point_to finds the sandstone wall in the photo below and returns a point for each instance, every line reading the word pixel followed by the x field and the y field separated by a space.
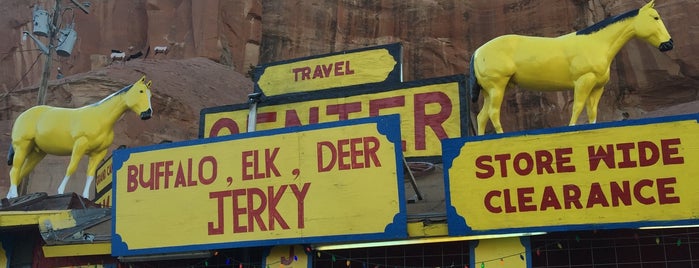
pixel 438 36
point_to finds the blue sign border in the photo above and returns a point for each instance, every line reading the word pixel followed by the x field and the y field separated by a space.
pixel 388 125
pixel 458 225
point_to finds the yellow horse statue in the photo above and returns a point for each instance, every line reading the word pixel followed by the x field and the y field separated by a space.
pixel 578 60
pixel 87 130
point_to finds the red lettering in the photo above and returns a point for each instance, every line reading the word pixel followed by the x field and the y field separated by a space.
pixel 132 178
pixel 596 196
pixel 292 117
pixel 434 121
pixel 371 146
pixel 255 213
pixel 601 154
pixel 524 198
pixel 238 210
pixel 620 193
pixel 180 179
pixel 637 191
pixel 348 69
pixel 348 154
pixel 274 199
pixel 669 151
pixel 488 202
pixel 338 68
pixel 249 205
pixel 266 117
pixel 327 69
pixel 321 152
pixel 626 155
pixel 356 152
pixel 487 170
pixel 318 73
pixel 502 158
pixel 270 167
pixel 549 199
pixel 563 158
pixel 343 110
pixel 342 153
pixel 528 161
pixel 509 208
pixel 214 170
pixel 222 123
pixel 375 106
pixel 300 197
pixel 571 196
pixel 190 178
pixel 219 196
pixel 664 190
pixel 304 71
pixel 648 153
pixel 247 164
pixel 544 159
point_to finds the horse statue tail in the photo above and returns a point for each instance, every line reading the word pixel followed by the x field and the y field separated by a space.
pixel 10 155
pixel 473 81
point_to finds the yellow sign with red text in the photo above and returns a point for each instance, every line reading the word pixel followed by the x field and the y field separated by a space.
pixel 430 111
pixel 103 184
pixel 290 186
pixel 631 173
pixel 347 68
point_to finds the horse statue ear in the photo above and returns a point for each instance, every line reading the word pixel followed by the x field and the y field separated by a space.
pixel 148 84
pixel 143 79
pixel 650 4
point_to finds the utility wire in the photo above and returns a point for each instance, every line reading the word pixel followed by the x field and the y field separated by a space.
pixel 22 78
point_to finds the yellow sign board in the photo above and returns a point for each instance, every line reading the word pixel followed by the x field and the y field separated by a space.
pixel 431 110
pixel 340 181
pixel 288 256
pixel 103 183
pixel 342 69
pixel 611 175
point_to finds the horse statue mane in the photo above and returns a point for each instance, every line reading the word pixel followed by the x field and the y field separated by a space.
pixel 88 130
pixel 578 60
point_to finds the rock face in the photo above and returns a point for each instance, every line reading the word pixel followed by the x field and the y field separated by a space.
pixel 438 37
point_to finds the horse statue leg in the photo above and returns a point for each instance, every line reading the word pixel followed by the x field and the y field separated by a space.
pixel 23 161
pixel 79 149
pixel 494 92
pixel 92 164
pixel 592 102
pixel 16 158
pixel 583 87
pixel 483 114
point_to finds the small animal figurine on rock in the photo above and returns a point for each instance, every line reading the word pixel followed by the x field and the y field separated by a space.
pixel 578 61
pixel 88 130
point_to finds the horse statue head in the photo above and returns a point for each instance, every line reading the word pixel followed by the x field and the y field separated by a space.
pixel 579 61
pixel 649 27
pixel 87 130
pixel 138 98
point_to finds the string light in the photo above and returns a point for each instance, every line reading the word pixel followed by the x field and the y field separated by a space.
pixel 501 259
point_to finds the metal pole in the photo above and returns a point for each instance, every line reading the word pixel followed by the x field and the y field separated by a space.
pixel 253 99
pixel 41 99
